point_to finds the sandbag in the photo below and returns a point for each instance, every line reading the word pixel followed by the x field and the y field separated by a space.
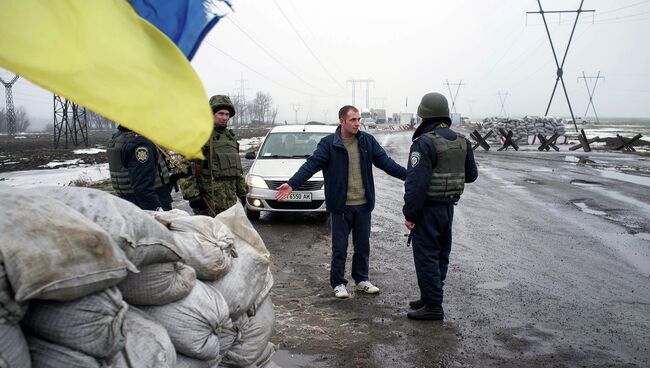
pixel 158 284
pixel 183 361
pixel 91 325
pixel 261 297
pixel 10 310
pixel 264 361
pixel 247 276
pixel 199 324
pixel 206 244
pixel 45 354
pixel 51 251
pixel 147 343
pixel 143 239
pixel 254 335
pixel 14 352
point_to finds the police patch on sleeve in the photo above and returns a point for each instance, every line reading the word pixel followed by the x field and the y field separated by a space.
pixel 415 158
pixel 142 154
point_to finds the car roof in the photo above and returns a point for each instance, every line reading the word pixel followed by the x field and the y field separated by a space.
pixel 303 128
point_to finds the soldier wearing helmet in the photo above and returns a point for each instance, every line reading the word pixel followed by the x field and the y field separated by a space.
pixel 217 183
pixel 440 163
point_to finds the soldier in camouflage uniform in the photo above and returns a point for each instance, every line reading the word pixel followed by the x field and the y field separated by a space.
pixel 217 183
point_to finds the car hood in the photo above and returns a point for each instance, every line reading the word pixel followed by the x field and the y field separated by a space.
pixel 279 168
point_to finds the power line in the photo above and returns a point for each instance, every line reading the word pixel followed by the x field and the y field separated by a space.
pixel 307 46
pixel 623 17
pixel 621 8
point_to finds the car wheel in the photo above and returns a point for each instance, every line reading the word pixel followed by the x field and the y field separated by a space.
pixel 253 215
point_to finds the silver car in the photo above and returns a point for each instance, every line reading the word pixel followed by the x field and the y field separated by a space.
pixel 284 149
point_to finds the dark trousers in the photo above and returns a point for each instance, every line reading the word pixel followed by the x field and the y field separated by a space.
pixel 431 241
pixel 357 220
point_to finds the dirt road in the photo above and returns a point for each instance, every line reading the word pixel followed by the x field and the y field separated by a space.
pixel 550 268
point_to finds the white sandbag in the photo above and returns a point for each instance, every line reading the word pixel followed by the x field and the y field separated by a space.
pixel 10 310
pixel 45 354
pixel 51 251
pixel 206 244
pixel 166 217
pixel 91 325
pixel 14 352
pixel 199 324
pixel 147 343
pixel 261 297
pixel 143 239
pixel 158 284
pixel 254 335
pixel 183 361
pixel 248 272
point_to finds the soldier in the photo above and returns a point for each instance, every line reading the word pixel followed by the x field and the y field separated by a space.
pixel 217 183
pixel 440 163
pixel 139 173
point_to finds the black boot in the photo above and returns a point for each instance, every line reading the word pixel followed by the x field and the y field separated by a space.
pixel 416 304
pixel 432 312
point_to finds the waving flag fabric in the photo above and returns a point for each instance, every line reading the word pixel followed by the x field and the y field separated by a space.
pixel 103 55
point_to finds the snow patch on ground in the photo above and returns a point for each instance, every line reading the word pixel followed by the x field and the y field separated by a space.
pixel 61 177
pixel 584 208
pixel 247 143
pixel 62 163
pixel 89 151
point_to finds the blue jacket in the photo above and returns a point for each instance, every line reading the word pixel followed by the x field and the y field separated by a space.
pixel 418 178
pixel 332 157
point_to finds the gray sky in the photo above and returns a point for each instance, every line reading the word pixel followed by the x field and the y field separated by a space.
pixel 412 47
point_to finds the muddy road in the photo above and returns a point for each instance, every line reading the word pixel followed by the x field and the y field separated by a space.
pixel 550 268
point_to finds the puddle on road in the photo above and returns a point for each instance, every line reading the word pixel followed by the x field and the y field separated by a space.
pixel 285 359
pixel 584 208
pixel 586 183
pixel 283 275
pixel 629 178
pixel 493 285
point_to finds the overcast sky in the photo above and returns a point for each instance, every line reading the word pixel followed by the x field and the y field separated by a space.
pixel 412 47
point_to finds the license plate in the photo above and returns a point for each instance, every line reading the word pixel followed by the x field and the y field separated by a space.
pixel 299 197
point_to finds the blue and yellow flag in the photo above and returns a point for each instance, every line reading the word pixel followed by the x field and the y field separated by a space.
pixel 103 55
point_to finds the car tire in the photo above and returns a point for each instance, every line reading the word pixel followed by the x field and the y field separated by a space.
pixel 253 215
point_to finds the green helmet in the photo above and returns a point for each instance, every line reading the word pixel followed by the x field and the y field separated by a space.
pixel 219 102
pixel 433 105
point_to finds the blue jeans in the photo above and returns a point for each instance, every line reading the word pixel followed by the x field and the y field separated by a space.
pixel 357 220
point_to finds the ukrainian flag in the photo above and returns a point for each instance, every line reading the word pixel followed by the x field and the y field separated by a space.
pixel 105 56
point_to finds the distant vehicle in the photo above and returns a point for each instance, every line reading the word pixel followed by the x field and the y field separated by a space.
pixel 365 113
pixel 284 150
pixel 369 123
pixel 380 116
pixel 406 118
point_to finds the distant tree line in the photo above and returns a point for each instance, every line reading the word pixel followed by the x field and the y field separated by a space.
pixel 259 110
pixel 22 120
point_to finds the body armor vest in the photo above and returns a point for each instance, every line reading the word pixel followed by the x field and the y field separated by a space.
pixel 223 158
pixel 120 174
pixel 448 179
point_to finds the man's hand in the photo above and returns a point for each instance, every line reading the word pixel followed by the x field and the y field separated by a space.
pixel 283 192
pixel 409 225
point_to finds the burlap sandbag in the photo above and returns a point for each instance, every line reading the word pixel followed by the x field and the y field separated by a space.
pixel 247 276
pixel 51 251
pixel 91 325
pixel 158 284
pixel 183 361
pixel 10 310
pixel 46 354
pixel 14 352
pixel 206 244
pixel 254 335
pixel 143 239
pixel 199 324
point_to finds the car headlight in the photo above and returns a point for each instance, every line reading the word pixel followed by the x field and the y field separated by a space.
pixel 256 182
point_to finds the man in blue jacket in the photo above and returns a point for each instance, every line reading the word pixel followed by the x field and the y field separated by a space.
pixel 346 158
pixel 440 163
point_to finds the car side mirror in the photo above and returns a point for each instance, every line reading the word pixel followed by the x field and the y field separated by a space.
pixel 250 155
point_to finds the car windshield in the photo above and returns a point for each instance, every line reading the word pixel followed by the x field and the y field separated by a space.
pixel 290 145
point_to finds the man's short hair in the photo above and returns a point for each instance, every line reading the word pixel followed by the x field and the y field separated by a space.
pixel 345 109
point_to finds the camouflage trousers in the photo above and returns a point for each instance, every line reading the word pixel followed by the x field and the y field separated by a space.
pixel 222 194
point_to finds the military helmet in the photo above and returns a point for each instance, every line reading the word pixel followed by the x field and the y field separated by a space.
pixel 219 102
pixel 433 105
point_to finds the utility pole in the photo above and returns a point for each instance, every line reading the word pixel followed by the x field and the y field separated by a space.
pixel 502 97
pixel 591 91
pixel 296 108
pixel 11 114
pixel 242 99
pixel 353 85
pixel 367 82
pixel 453 96
pixel 560 72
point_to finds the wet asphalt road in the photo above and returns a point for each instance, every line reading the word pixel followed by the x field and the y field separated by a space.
pixel 550 267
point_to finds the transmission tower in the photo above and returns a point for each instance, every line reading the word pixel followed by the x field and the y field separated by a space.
pixel 591 92
pixel 296 108
pixel 502 97
pixel 241 115
pixel 454 96
pixel 70 120
pixel 559 73
pixel 11 114
pixel 367 82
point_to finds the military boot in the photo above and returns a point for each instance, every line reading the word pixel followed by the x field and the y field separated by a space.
pixel 416 304
pixel 432 312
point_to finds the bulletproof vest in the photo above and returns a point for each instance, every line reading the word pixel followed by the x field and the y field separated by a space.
pixel 120 173
pixel 448 179
pixel 224 161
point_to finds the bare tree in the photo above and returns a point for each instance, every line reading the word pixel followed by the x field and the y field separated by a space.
pixel 261 108
pixel 22 120
pixel 241 110
pixel 96 121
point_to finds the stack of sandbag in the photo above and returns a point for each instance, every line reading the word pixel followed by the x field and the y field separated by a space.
pixel 522 128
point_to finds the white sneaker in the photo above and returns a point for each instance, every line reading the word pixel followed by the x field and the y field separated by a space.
pixel 367 287
pixel 341 292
